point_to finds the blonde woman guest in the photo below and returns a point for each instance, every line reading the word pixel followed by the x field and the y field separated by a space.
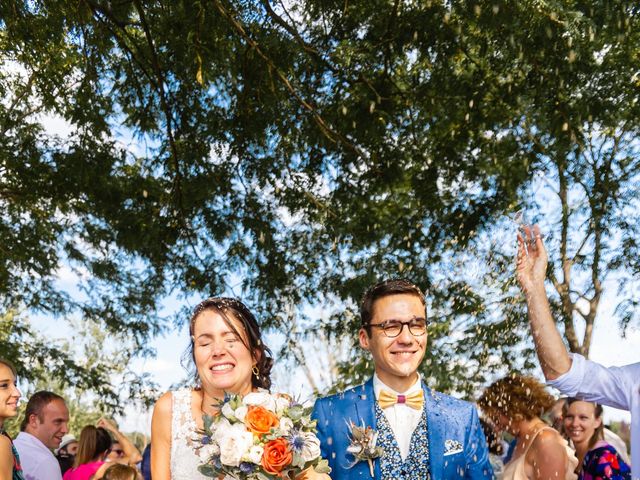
pixel 514 404
pixel 9 395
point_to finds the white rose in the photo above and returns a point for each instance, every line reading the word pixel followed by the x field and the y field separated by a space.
pixel 311 448
pixel 281 404
pixel 286 424
pixel 207 451
pixel 262 399
pixel 220 429
pixel 255 398
pixel 227 411
pixel 240 413
pixel 234 444
pixel 254 455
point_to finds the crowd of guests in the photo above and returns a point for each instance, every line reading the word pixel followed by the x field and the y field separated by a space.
pixel 45 450
pixel 571 440
pixel 420 433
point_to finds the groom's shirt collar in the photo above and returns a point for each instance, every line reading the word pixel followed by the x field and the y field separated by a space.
pixel 379 385
pixel 402 419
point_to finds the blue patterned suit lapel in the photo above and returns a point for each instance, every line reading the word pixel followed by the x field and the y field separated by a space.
pixel 435 424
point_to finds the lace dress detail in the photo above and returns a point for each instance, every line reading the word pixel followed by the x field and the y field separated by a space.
pixel 184 460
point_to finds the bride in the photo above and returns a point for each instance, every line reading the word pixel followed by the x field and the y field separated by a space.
pixel 229 356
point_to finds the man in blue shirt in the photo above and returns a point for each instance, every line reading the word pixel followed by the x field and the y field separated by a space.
pixel 573 375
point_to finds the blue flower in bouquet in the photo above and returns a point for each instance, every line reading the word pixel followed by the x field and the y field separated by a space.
pixel 247 467
pixel 296 439
pixel 304 445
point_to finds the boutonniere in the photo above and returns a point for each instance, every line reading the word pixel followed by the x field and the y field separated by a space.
pixel 363 445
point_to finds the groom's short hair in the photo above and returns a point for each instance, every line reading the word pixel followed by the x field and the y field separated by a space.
pixel 393 286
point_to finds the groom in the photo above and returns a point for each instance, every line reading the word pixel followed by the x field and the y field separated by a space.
pixel 419 433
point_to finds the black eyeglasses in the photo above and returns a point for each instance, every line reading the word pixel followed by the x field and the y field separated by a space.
pixel 393 328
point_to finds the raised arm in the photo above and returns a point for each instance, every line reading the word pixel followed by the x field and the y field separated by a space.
pixel 131 452
pixel 531 270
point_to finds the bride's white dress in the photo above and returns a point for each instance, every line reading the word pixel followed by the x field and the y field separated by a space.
pixel 184 437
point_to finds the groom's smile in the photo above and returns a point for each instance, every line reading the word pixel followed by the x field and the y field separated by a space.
pixel 405 353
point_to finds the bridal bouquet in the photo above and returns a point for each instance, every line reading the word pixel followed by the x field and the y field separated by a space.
pixel 259 437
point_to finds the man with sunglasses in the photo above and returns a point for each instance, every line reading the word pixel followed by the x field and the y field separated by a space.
pixel 393 426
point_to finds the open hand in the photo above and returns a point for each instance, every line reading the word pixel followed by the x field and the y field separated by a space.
pixel 531 263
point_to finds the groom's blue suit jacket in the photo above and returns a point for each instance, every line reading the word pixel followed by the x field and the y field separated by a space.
pixel 457 446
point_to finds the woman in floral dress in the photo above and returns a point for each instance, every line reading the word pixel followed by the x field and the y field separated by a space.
pixel 598 459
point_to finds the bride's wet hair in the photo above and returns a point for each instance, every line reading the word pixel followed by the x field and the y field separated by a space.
pixel 226 307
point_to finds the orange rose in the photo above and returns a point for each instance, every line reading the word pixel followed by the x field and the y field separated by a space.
pixel 260 420
pixel 276 456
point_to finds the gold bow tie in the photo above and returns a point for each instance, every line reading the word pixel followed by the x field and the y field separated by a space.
pixel 413 400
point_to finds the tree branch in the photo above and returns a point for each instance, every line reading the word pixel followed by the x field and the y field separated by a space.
pixel 563 288
pixel 331 134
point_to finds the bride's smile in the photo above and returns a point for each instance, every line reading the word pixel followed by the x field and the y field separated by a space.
pixel 221 355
